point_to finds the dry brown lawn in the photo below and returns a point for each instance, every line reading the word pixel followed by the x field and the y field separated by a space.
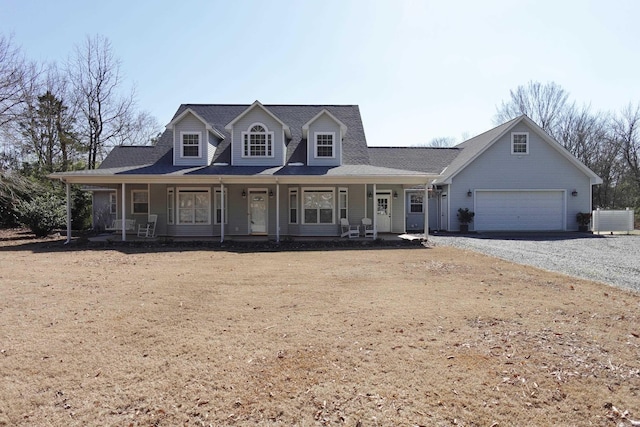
pixel 128 336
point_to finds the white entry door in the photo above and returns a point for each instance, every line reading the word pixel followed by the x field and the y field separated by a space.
pixel 383 213
pixel 258 212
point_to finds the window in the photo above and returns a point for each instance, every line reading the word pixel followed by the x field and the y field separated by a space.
pixel 190 144
pixel 324 144
pixel 318 204
pixel 343 198
pixel 520 143
pixel 113 204
pixel 218 207
pixel 415 203
pixel 194 206
pixel 140 201
pixel 293 206
pixel 257 142
pixel 171 203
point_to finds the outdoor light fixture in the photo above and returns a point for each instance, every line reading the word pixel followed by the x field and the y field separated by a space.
pixel 395 194
pixel 574 193
pixel 244 194
pixel 469 193
pixel 370 195
pixel 271 193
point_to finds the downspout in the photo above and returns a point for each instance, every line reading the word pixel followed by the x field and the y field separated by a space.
pixel 68 188
pixel 222 218
pixel 124 213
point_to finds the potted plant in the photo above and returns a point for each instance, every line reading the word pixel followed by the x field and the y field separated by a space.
pixel 465 216
pixel 583 219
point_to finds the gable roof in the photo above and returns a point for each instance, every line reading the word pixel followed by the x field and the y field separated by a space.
pixel 305 127
pixel 177 118
pixel 219 116
pixel 257 104
pixel 474 147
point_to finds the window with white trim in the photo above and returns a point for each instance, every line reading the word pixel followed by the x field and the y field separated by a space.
pixel 218 207
pixel 113 203
pixel 318 205
pixel 257 141
pixel 140 201
pixel 415 203
pixel 343 203
pixel 190 144
pixel 293 206
pixel 171 203
pixel 324 144
pixel 194 206
pixel 520 143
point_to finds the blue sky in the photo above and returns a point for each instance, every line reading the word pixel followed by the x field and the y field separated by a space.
pixel 417 69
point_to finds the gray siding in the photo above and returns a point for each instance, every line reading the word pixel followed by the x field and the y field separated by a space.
pixel 324 123
pixel 257 115
pixel 238 211
pixel 543 168
pixel 191 123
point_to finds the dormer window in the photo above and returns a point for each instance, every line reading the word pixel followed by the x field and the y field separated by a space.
pixel 257 141
pixel 520 143
pixel 190 144
pixel 324 144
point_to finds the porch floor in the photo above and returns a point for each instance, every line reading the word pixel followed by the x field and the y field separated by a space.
pixel 117 237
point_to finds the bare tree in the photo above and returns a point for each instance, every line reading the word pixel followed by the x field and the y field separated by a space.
pixel 439 142
pixel 545 104
pixel 139 129
pixel 95 75
pixel 626 128
pixel 16 74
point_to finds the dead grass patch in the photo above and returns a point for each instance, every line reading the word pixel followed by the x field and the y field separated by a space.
pixel 432 336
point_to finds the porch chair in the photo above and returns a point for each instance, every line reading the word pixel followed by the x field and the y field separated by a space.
pixel 347 230
pixel 367 228
pixel 148 229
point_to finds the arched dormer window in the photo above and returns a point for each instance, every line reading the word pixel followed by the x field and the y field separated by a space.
pixel 257 141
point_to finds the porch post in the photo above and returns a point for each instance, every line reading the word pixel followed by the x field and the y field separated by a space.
pixel 124 213
pixel 374 208
pixel 425 203
pixel 277 211
pixel 366 201
pixel 222 218
pixel 68 187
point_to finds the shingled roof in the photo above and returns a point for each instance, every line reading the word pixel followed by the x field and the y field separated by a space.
pixel 420 159
pixel 157 159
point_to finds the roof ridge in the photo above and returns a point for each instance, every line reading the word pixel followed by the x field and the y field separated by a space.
pixel 414 147
pixel 272 105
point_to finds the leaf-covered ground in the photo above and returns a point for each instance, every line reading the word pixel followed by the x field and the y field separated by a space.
pixel 162 336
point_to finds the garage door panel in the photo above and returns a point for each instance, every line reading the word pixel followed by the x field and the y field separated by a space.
pixel 519 210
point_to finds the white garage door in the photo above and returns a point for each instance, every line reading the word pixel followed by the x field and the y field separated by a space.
pixel 519 210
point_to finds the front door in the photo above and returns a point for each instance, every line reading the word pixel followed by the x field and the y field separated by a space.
pixel 383 213
pixel 258 212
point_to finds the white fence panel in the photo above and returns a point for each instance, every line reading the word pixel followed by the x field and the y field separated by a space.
pixel 620 220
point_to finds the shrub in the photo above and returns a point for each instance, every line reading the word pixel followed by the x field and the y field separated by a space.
pixel 465 216
pixel 43 214
pixel 583 218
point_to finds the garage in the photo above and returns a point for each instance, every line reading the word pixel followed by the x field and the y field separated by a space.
pixel 519 210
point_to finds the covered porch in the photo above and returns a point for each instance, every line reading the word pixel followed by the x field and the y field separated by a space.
pixel 252 208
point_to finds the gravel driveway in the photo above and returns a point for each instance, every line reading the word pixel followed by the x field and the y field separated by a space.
pixel 614 260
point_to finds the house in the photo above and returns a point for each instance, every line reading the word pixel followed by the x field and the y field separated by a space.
pixel 253 170
pixel 297 170
pixel 515 177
